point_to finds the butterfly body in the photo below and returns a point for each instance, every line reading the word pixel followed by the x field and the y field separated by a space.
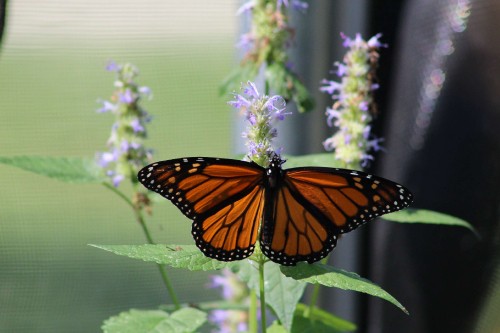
pixel 297 213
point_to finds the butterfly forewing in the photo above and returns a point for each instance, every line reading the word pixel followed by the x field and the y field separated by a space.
pixel 199 186
pixel 347 198
pixel 224 197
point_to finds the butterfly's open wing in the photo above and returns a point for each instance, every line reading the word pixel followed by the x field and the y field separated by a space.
pixel 313 205
pixel 223 197
pixel 293 230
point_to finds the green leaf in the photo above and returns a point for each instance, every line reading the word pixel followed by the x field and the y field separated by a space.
pixel 322 160
pixel 276 328
pixel 319 321
pixel 411 215
pixel 282 293
pixel 185 256
pixel 185 320
pixel 66 169
pixel 238 76
pixel 282 81
pixel 333 277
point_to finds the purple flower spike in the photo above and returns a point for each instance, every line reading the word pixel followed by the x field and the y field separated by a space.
pixel 126 152
pixel 353 97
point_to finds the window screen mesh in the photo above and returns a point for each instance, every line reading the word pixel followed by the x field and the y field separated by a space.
pixel 51 75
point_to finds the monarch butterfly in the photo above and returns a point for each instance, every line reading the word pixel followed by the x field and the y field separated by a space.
pixel 303 210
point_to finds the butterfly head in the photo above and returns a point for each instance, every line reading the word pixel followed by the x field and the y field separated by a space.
pixel 274 170
pixel 276 161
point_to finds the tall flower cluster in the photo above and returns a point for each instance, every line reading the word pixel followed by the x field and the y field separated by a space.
pixel 261 111
pixel 233 291
pixel 126 153
pixel 353 108
pixel 270 30
pixel 265 46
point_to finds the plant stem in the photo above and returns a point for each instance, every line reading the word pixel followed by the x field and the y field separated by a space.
pixel 312 302
pixel 142 223
pixel 262 295
pixel 315 294
pixel 252 313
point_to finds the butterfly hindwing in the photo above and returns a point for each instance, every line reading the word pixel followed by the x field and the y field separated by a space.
pixel 223 197
pixel 293 229
pixel 231 232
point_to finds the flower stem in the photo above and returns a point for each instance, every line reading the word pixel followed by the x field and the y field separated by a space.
pixel 142 223
pixel 315 294
pixel 252 313
pixel 312 302
pixel 262 295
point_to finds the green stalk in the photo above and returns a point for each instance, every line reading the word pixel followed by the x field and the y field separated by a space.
pixel 315 294
pixel 262 295
pixel 142 223
pixel 252 313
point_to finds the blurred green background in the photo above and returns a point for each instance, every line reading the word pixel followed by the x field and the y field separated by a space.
pixel 51 76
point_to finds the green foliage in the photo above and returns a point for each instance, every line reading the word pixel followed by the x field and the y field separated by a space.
pixel 282 293
pixel 185 256
pixel 411 215
pixel 285 83
pixel 276 328
pixel 333 277
pixel 319 321
pixel 66 169
pixel 185 320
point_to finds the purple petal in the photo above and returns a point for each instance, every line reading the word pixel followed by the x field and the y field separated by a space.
pixel 329 144
pixel 347 41
pixel 251 90
pixel 245 42
pixel 374 42
pixel 127 97
pixel 107 106
pixel 332 114
pixel 104 159
pixel 117 180
pixel 112 66
pixel 136 126
pixel 246 7
pixel 240 102
pixel 251 118
pixel 146 91
pixel 366 132
pixel 341 69
pixel 300 6
pixel 363 106
pixel 330 86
